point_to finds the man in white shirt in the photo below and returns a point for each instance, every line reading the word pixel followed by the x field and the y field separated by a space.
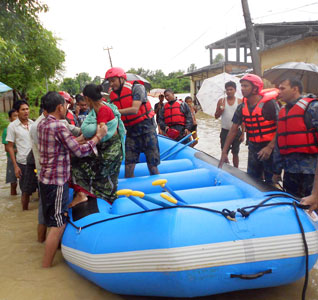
pixel 225 109
pixel 18 134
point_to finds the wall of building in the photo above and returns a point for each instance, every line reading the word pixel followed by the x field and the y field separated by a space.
pixel 305 50
pixel 6 101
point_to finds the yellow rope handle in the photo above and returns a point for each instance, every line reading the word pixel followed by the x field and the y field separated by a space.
pixel 168 198
pixel 160 182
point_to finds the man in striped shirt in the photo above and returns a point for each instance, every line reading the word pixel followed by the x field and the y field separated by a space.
pixel 56 143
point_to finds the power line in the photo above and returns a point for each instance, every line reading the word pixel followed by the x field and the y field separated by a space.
pixel 286 11
pixel 194 41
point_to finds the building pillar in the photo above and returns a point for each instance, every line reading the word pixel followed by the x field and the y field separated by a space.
pixel 211 56
pixel 238 50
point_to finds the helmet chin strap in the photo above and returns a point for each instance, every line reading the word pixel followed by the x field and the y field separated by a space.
pixel 121 83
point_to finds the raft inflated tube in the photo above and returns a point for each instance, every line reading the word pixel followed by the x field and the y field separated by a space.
pixel 169 166
pixel 177 181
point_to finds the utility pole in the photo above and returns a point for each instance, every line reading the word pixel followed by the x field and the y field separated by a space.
pixel 252 39
pixel 110 59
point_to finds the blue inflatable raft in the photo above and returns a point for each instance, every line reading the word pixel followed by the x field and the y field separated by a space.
pixel 225 231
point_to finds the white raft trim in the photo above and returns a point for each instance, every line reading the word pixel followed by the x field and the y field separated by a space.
pixel 194 257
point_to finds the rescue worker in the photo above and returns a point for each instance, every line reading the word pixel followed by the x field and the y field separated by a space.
pixel 70 116
pixel 296 149
pixel 175 118
pixel 258 113
pixel 131 99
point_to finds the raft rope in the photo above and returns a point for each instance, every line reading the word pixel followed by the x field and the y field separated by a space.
pixel 295 204
pixel 230 215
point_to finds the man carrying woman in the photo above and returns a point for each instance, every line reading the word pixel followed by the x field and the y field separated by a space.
pixel 97 175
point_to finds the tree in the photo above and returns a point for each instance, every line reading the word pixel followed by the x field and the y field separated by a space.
pixel 158 79
pixel 191 68
pixel 82 80
pixel 97 80
pixel 28 52
pixel 70 85
pixel 218 58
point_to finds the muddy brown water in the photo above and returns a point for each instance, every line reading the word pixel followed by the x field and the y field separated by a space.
pixel 21 275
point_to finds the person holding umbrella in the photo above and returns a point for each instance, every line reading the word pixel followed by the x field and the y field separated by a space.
pixel 131 99
pixel 225 109
pixel 258 113
pixel 296 149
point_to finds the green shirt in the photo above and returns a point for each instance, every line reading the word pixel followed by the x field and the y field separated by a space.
pixel 4 139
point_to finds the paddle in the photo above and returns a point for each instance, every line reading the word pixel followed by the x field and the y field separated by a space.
pixel 188 144
pixel 163 184
pixel 176 144
pixel 129 194
pixel 151 199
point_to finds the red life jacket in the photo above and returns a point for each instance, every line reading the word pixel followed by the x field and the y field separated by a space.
pixel 70 117
pixel 258 129
pixel 125 100
pixel 173 114
pixel 293 135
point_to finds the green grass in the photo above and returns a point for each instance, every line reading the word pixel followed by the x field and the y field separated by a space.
pixel 4 121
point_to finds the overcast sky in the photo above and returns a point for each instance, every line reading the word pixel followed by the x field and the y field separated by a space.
pixel 167 34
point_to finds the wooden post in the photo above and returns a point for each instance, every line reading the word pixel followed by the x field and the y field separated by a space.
pixel 238 50
pixel 110 59
pixel 261 39
pixel 226 53
pixel 245 54
pixel 252 39
pixel 211 56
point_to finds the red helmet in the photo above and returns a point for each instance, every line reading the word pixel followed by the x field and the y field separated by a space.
pixel 66 96
pixel 116 72
pixel 254 79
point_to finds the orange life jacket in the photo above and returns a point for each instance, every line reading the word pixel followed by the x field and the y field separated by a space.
pixel 258 129
pixel 293 135
pixel 125 100
pixel 173 114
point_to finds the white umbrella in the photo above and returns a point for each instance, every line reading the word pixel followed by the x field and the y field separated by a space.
pixel 305 72
pixel 213 89
pixel 156 92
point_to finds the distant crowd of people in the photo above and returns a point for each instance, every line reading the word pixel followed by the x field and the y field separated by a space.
pixel 81 143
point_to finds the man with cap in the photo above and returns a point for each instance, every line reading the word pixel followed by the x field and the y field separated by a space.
pixel 131 99
pixel 258 113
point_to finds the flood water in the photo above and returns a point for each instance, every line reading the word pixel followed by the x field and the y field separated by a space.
pixel 21 275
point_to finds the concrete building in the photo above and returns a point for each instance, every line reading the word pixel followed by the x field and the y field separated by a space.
pixel 277 43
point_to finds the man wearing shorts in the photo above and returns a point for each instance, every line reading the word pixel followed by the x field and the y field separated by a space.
pixel 131 99
pixel 225 109
pixel 56 143
pixel 18 134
